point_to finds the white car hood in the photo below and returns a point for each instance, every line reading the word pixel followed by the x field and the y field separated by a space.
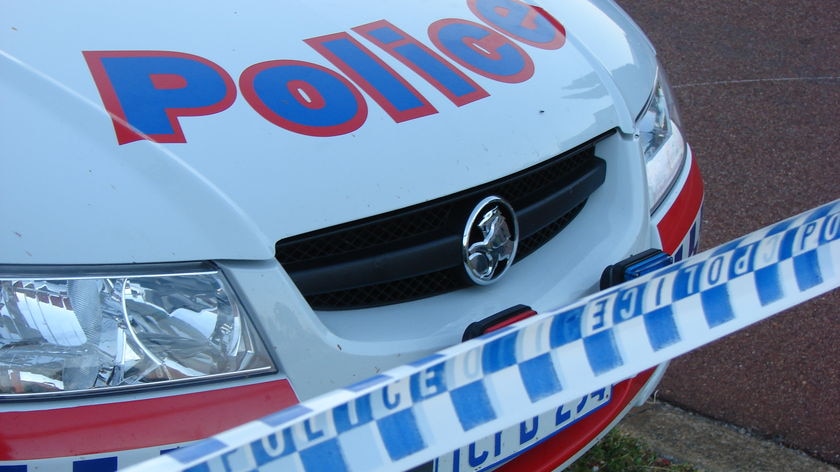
pixel 72 193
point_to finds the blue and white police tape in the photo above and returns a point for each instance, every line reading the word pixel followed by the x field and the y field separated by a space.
pixel 417 412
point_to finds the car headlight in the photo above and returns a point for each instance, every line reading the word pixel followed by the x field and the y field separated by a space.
pixel 662 143
pixel 63 333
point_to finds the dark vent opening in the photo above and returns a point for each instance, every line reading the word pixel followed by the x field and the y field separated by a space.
pixel 416 252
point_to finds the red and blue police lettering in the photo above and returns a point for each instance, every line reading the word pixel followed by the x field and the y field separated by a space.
pixel 482 50
pixel 451 82
pixel 526 23
pixel 148 92
pixel 303 98
pixel 392 92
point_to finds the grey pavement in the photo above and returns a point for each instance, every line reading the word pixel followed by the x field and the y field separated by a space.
pixel 711 446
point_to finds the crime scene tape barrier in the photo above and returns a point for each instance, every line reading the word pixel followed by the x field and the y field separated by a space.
pixel 417 412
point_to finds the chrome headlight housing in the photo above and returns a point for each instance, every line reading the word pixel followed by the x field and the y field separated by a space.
pixel 69 332
pixel 662 143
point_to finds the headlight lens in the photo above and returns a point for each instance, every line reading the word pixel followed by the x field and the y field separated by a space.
pixel 662 143
pixel 61 334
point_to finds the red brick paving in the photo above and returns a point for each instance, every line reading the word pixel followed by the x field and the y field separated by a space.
pixel 759 89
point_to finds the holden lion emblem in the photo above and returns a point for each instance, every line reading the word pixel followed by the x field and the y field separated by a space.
pixel 490 240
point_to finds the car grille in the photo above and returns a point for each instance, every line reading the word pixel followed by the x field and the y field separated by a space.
pixel 416 252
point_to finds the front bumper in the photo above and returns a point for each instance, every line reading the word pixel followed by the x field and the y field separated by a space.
pixel 678 222
pixel 120 430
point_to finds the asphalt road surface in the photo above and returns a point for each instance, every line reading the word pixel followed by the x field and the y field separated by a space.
pixel 758 83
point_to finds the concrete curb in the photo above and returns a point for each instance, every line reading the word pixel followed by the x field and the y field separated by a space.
pixel 710 446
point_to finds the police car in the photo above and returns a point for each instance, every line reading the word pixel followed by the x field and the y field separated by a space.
pixel 212 213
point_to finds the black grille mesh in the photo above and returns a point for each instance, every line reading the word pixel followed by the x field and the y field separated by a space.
pixel 372 239
pixel 361 236
pixel 412 288
pixel 427 285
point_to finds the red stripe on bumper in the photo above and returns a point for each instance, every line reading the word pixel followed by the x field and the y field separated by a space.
pixel 678 220
pixel 109 427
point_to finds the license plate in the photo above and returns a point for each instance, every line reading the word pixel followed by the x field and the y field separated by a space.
pixel 506 444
